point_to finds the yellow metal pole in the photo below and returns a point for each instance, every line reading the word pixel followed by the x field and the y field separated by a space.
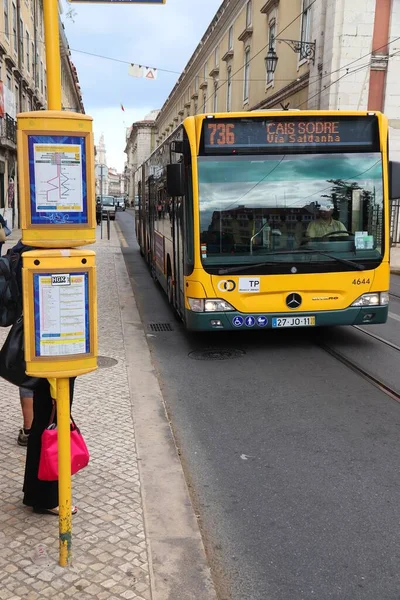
pixel 53 65
pixel 53 57
pixel 64 472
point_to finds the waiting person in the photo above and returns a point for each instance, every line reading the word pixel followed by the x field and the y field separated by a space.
pixel 98 213
pixel 26 399
pixel 42 496
pixel 324 223
pixel 2 224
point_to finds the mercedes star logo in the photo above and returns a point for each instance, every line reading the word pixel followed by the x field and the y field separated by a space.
pixel 293 301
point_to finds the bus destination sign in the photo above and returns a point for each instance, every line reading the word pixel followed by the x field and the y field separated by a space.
pixel 306 133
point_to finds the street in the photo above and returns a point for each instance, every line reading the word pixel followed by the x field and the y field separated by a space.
pixel 290 454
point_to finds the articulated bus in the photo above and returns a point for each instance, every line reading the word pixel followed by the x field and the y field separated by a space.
pixel 270 219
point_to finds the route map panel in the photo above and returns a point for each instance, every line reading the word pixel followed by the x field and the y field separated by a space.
pixel 57 168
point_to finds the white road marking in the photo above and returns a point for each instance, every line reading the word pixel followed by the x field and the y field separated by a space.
pixel 393 316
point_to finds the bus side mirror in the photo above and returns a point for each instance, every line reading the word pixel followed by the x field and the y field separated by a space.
pixel 176 180
pixel 394 180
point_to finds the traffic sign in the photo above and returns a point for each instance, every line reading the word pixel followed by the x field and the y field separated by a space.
pixel 101 171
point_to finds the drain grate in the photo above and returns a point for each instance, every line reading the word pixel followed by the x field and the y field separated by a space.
pixel 104 362
pixel 216 354
pixel 160 327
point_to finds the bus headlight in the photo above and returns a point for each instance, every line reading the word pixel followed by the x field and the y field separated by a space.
pixel 206 305
pixel 374 299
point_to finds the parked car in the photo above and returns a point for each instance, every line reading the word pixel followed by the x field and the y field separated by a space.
pixel 108 206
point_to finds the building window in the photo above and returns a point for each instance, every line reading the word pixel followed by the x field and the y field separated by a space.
pixel 215 96
pixel 216 56
pixel 6 21
pixel 21 40
pixel 17 99
pixel 205 72
pixel 196 83
pixel 33 58
pixel 195 108
pixel 204 103
pixel 28 44
pixel 41 77
pixel 306 24
pixel 249 10
pixel 14 27
pixel 271 44
pixel 246 84
pixel 230 38
pixel 37 71
pixel 229 90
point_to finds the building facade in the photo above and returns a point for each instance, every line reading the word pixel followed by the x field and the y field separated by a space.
pixel 23 86
pixel 140 143
pixel 324 61
pixel 115 183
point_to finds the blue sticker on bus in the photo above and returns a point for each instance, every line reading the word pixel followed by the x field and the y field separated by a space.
pixel 237 321
pixel 250 321
pixel 262 321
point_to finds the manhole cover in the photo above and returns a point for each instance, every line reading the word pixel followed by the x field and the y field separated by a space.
pixel 216 354
pixel 160 327
pixel 103 362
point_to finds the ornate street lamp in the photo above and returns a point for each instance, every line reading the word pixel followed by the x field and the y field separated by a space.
pixel 305 49
pixel 271 60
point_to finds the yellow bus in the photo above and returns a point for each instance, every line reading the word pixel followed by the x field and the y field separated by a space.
pixel 270 219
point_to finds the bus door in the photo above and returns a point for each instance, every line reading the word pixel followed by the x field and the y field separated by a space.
pixel 150 216
pixel 177 236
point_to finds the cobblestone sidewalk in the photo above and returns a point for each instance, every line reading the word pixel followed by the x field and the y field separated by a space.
pixel 109 548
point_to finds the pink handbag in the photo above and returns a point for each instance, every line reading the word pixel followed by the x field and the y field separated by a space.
pixel 48 463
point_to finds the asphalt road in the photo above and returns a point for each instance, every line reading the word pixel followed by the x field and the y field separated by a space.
pixel 291 457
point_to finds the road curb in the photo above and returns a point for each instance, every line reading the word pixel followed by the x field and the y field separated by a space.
pixel 395 271
pixel 177 560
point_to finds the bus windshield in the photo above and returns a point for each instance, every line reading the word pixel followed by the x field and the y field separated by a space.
pixel 252 206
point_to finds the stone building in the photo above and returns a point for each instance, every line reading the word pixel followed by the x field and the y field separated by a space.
pixel 324 61
pixel 140 142
pixel 23 85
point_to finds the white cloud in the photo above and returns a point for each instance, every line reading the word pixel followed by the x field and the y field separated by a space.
pixel 113 122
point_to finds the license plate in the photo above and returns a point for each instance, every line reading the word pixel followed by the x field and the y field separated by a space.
pixel 293 322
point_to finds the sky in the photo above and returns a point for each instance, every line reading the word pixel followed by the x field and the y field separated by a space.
pixel 163 36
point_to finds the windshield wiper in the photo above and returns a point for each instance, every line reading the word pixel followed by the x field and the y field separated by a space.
pixel 239 268
pixel 344 261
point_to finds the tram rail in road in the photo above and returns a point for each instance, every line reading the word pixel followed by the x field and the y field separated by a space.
pixel 387 389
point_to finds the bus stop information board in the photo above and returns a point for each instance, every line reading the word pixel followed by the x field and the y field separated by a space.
pixel 61 314
pixel 287 133
pixel 57 170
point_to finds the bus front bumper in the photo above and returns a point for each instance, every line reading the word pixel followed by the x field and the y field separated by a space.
pixel 235 320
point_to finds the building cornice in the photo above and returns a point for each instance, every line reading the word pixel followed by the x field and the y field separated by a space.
pixel 268 6
pixel 295 86
pixel 246 34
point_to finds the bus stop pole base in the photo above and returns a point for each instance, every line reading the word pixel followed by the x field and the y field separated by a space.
pixel 64 472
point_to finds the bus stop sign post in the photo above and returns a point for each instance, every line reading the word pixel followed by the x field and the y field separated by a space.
pixel 40 219
pixel 54 145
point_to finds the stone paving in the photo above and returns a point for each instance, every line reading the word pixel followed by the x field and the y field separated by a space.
pixel 110 558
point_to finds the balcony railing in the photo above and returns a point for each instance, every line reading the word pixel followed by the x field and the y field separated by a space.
pixel 8 129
